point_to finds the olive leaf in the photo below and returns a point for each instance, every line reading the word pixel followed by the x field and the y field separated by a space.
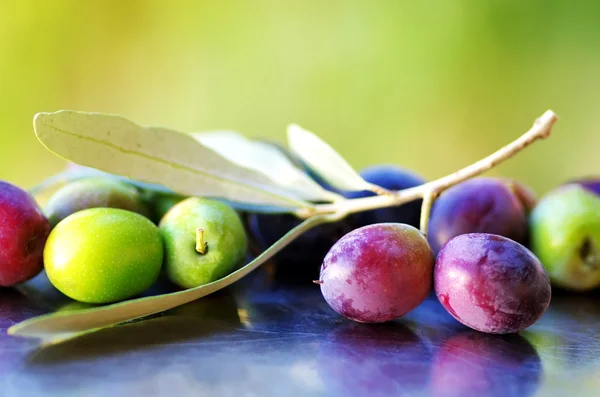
pixel 44 190
pixel 266 159
pixel 60 326
pixel 72 174
pixel 325 161
pixel 156 155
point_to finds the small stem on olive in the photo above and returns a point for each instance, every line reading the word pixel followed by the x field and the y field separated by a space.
pixel 541 129
pixel 318 282
pixel 428 198
pixel 201 245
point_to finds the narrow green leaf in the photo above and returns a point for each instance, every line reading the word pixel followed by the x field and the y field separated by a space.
pixel 266 159
pixel 56 327
pixel 44 190
pixel 324 160
pixel 155 155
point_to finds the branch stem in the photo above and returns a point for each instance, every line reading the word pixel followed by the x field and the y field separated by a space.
pixel 428 198
pixel 541 129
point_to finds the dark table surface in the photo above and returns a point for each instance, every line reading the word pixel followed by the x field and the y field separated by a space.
pixel 261 339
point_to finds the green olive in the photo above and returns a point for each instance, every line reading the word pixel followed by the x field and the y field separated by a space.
pixel 103 255
pixel 565 235
pixel 95 192
pixel 204 241
pixel 161 203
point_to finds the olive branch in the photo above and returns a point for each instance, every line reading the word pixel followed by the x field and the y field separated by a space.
pixel 250 175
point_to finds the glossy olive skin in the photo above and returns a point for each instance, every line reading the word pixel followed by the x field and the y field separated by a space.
pixel 479 205
pixel 491 283
pixel 390 177
pixel 103 255
pixel 377 273
pixel 94 192
pixel 565 235
pixel 224 234
pixel 23 233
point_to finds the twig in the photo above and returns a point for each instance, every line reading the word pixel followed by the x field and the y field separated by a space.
pixel 541 129
pixel 428 198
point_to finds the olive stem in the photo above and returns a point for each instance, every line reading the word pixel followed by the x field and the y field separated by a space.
pixel 541 129
pixel 380 190
pixel 201 245
pixel 428 198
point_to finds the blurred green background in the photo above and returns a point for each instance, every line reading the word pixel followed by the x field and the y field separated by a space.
pixel 431 85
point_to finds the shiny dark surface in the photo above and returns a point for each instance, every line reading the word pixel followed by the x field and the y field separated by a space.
pixel 260 339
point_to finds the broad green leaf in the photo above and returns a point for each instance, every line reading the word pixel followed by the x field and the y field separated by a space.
pixel 56 327
pixel 325 161
pixel 155 155
pixel 266 159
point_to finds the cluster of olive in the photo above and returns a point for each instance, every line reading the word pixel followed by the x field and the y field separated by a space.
pixel 103 240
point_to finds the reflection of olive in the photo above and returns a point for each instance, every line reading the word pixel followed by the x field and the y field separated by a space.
pixel 197 320
pixel 16 305
pixel 374 360
pixel 219 307
pixel 477 364
pixel 116 341
pixel 561 350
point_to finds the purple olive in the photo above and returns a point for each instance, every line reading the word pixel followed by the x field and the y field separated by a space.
pixel 377 273
pixel 481 205
pixel 491 283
